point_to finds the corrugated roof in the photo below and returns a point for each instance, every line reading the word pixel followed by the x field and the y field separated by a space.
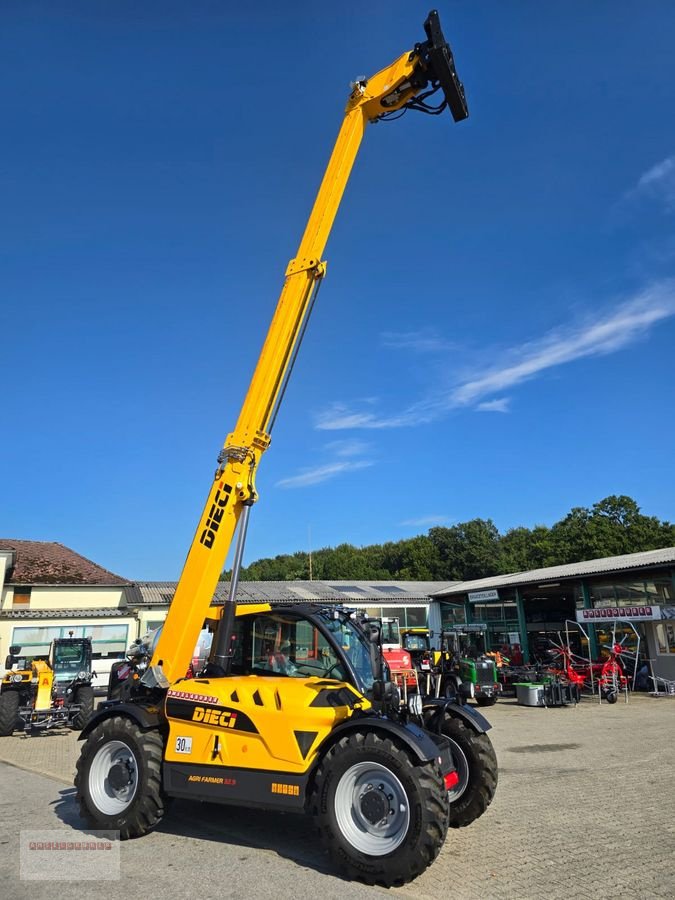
pixel 47 562
pixel 101 613
pixel 382 593
pixel 627 562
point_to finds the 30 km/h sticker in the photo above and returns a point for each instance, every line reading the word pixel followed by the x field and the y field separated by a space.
pixel 183 745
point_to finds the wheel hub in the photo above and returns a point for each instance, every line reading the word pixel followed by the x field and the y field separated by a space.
pixel 119 776
pixel 372 808
pixel 113 778
pixel 375 805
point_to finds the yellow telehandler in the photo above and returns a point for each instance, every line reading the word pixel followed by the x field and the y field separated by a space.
pixel 294 710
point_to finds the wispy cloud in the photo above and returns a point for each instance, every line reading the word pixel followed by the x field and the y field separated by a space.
pixel 347 456
pixel 658 183
pixel 348 448
pixel 427 340
pixel 426 521
pixel 599 337
pixel 322 473
pixel 501 405
pixel 594 336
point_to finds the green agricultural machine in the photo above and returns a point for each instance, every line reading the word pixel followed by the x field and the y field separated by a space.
pixel 472 662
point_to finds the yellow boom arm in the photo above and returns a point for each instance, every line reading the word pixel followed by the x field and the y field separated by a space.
pixel 428 66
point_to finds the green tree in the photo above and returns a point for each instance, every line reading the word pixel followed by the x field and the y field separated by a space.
pixel 467 551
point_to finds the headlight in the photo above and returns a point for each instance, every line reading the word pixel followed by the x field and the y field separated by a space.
pixel 17 678
pixel 82 675
pixel 415 704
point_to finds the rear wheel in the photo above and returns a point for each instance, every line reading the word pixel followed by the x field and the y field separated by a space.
pixel 118 781
pixel 9 712
pixel 84 697
pixel 382 817
pixel 476 765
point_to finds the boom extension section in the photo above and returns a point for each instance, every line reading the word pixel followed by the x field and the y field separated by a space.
pixel 406 84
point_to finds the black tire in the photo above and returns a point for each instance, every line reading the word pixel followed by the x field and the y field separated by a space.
pixel 411 797
pixel 115 750
pixel 486 701
pixel 611 696
pixel 450 688
pixel 84 696
pixel 476 764
pixel 9 712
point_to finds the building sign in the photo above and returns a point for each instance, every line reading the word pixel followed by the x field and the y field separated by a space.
pixel 483 596
pixel 634 613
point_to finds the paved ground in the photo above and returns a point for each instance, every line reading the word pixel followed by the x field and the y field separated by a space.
pixel 584 809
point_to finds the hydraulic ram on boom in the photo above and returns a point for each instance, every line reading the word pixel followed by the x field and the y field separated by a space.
pixel 406 84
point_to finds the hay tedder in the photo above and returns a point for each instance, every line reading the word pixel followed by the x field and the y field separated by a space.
pixel 607 677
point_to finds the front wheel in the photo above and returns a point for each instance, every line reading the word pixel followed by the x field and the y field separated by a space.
pixel 476 764
pixel 118 781
pixel 84 697
pixel 9 712
pixel 382 817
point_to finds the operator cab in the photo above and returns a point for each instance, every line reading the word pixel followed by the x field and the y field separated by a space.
pixel 302 642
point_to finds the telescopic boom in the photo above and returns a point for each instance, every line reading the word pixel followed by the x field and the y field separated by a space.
pixel 407 83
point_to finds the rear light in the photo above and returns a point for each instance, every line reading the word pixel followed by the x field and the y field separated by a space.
pixel 451 781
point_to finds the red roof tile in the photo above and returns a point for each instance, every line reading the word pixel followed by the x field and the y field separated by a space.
pixel 45 562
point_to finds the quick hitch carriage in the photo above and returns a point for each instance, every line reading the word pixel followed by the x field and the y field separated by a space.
pixel 294 710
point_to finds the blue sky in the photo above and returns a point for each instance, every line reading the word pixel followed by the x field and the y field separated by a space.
pixel 496 332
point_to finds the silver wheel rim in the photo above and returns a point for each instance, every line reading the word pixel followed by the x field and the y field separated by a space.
pixel 462 767
pixel 109 800
pixel 351 802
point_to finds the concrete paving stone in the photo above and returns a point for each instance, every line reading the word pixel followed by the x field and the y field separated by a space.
pixel 584 809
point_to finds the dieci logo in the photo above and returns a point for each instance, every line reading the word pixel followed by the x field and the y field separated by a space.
pixel 225 717
pixel 215 515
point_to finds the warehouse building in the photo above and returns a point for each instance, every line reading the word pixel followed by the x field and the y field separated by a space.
pixel 603 596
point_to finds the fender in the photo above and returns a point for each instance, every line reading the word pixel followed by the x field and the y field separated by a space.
pixel 415 738
pixel 146 717
pixel 434 710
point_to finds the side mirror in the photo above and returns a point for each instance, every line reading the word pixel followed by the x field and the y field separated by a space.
pixel 385 692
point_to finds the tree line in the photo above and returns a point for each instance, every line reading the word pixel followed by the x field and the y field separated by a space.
pixel 476 549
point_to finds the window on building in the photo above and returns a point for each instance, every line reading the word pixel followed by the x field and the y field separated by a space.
pixel 107 641
pixel 408 616
pixel 451 615
pixel 665 637
pixel 659 589
pixel 21 598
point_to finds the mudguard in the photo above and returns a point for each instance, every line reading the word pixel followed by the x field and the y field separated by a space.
pixel 146 717
pixel 422 744
pixel 434 711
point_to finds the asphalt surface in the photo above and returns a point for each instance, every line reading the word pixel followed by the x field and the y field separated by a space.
pixel 584 809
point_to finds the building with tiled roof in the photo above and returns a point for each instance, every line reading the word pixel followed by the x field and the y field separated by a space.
pixel 47 562
pixel 48 590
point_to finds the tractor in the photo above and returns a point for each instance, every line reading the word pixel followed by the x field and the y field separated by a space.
pixel 471 662
pixel 41 693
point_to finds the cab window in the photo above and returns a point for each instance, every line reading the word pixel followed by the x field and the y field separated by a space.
pixel 274 644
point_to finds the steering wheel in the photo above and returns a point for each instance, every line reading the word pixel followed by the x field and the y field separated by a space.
pixel 336 665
